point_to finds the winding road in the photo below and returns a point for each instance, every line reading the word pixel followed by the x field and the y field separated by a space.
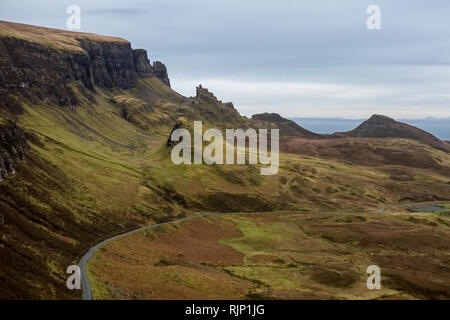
pixel 86 287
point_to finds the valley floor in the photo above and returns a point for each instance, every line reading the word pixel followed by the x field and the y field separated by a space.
pixel 310 255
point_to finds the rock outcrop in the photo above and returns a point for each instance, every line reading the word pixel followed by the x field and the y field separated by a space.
pixel 145 69
pixel 170 143
pixel 13 146
pixel 160 71
pixel 142 63
pixel 205 95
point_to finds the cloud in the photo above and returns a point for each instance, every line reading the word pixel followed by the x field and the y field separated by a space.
pixel 114 11
pixel 296 57
pixel 311 99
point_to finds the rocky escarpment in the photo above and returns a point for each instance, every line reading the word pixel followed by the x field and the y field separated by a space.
pixel 38 71
pixel 13 146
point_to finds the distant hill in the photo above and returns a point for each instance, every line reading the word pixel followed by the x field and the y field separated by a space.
pixel 379 126
pixel 287 127
pixel 439 127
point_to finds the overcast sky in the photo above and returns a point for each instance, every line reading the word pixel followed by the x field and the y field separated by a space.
pixel 298 58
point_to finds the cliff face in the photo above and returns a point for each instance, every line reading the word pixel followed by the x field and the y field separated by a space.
pixel 13 146
pixel 108 64
pixel 145 70
pixel 39 71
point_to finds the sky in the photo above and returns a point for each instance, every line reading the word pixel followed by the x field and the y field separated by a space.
pixel 297 58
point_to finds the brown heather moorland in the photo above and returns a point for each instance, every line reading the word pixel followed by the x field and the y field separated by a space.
pixel 280 256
